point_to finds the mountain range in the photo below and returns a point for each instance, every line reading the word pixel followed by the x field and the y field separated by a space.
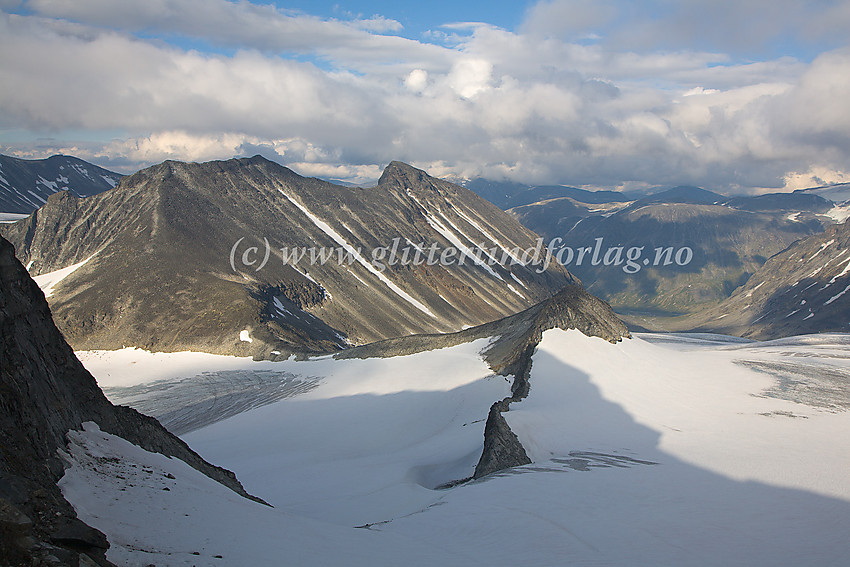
pixel 25 185
pixel 308 307
pixel 804 289
pixel 730 238
pixel 159 262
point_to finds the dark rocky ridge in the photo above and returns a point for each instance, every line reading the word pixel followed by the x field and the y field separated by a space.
pixel 45 392
pixel 510 355
pixel 26 184
pixel 159 275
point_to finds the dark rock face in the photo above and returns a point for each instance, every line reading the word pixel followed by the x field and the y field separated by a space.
pixel 25 184
pixel 502 448
pixel 78 535
pixel 159 274
pixel 803 289
pixel 44 392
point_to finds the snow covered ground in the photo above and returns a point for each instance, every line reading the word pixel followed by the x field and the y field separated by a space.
pixel 660 450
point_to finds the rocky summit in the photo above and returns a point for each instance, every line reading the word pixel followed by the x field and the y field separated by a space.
pixel 187 256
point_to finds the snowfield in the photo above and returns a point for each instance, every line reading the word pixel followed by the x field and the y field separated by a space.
pixel 48 282
pixel 659 450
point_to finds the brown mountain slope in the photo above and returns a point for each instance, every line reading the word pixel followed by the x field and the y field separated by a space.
pixel 161 248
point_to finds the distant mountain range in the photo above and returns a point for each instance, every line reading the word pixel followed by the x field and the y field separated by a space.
pixel 159 262
pixel 509 194
pixel 730 237
pixel 804 289
pixel 25 185
pixel 837 193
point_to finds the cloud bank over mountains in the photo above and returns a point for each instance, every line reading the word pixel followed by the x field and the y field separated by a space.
pixel 605 94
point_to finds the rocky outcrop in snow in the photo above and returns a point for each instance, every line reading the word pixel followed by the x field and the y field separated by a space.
pixel 510 355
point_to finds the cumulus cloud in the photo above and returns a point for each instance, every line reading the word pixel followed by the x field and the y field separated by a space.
pixel 416 80
pixel 549 103
pixel 469 77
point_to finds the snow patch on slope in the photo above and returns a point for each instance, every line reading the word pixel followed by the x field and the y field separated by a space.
pixel 492 239
pixel 48 282
pixel 459 245
pixel 336 237
pixel 839 213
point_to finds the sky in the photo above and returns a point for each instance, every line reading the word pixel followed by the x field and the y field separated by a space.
pixel 736 97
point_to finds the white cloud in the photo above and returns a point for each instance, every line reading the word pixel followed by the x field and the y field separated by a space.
pixel 736 27
pixel 242 24
pixel 815 176
pixel 528 105
pixel 416 80
pixel 469 77
pixel 377 23
pixel 576 18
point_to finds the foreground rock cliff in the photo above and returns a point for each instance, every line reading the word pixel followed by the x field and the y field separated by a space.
pixel 44 393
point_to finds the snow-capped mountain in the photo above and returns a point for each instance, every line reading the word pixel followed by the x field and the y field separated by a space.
pixel 839 194
pixel 25 185
pixel 44 393
pixel 804 289
pixel 191 256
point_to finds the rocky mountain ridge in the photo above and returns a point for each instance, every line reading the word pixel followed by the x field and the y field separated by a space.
pixel 170 260
pixel 509 355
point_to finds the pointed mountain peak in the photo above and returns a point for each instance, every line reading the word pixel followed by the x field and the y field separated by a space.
pixel 402 173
